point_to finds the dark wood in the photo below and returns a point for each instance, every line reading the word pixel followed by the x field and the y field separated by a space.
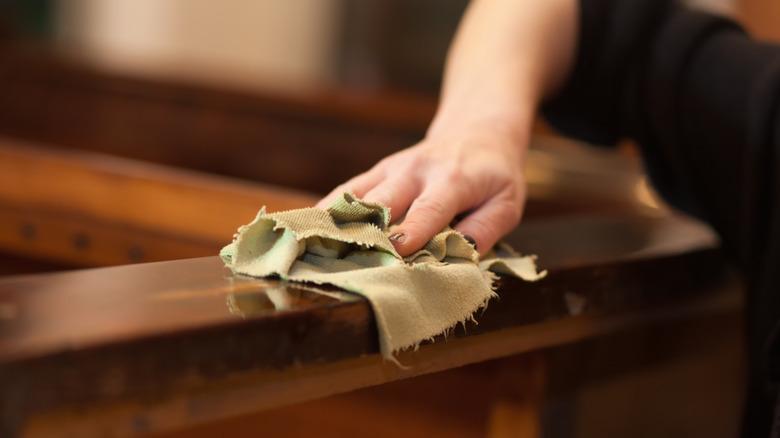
pixel 282 140
pixel 14 264
pixel 88 209
pixel 146 332
pixel 120 344
pixel 311 141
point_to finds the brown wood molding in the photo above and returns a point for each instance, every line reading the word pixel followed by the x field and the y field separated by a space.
pixel 283 140
pixel 134 346
pixel 92 209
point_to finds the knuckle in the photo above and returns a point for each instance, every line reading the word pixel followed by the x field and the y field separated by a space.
pixel 414 162
pixel 454 175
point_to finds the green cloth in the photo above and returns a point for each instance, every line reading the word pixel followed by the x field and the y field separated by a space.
pixel 413 298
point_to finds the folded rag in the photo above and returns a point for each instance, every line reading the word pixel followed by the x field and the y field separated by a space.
pixel 413 298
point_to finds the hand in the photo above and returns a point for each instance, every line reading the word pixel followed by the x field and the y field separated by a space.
pixel 477 172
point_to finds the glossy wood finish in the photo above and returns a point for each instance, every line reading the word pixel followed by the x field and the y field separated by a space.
pixel 156 347
pixel 89 209
pixel 131 344
pixel 86 209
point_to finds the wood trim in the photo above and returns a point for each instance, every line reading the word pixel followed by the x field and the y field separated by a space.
pixel 90 209
pixel 254 391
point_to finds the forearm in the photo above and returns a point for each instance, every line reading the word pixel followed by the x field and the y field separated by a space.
pixel 506 57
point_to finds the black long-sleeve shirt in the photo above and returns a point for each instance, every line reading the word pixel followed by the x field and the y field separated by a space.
pixel 703 101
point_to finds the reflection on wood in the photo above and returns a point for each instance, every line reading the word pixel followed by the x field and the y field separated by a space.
pixel 141 345
pixel 648 382
pixel 159 347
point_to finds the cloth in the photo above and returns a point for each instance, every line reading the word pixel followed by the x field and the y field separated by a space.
pixel 702 99
pixel 413 298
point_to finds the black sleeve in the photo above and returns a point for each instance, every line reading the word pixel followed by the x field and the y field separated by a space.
pixel 702 99
pixel 699 96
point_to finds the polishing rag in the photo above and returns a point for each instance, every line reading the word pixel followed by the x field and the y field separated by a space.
pixel 346 245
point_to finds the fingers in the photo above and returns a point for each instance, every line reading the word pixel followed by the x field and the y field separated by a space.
pixel 491 221
pixel 428 215
pixel 396 193
pixel 359 186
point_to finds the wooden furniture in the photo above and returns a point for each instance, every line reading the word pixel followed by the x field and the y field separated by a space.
pixel 155 347
pixel 88 209
pixel 84 209
pixel 309 142
pixel 261 136
pixel 179 348
pixel 62 120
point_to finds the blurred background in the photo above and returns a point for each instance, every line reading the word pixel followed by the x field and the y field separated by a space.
pixel 146 130
pixel 292 46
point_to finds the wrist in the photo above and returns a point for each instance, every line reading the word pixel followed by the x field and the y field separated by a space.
pixel 514 126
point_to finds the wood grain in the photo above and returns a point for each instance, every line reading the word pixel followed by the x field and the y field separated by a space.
pixel 151 341
pixel 86 209
pixel 94 210
pixel 282 140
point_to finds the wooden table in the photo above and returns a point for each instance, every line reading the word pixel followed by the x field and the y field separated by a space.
pixel 160 346
pixel 163 347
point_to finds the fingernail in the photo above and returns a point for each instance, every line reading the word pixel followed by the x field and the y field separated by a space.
pixel 397 237
pixel 471 240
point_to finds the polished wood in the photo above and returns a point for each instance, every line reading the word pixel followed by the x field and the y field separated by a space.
pixel 517 409
pixel 262 136
pixel 155 348
pixel 89 209
pixel 312 141
pixel 649 381
pixel 86 209
pixel 139 346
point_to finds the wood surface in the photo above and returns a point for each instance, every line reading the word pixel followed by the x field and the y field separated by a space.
pixel 88 209
pixel 83 209
pixel 282 140
pixel 158 347
pixel 310 142
pixel 140 347
pixel 649 382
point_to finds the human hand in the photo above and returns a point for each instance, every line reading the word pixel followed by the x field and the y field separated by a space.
pixel 476 174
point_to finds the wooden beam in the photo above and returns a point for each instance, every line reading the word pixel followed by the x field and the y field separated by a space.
pixel 92 209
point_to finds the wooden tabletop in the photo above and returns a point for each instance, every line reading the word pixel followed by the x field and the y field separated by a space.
pixel 142 336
